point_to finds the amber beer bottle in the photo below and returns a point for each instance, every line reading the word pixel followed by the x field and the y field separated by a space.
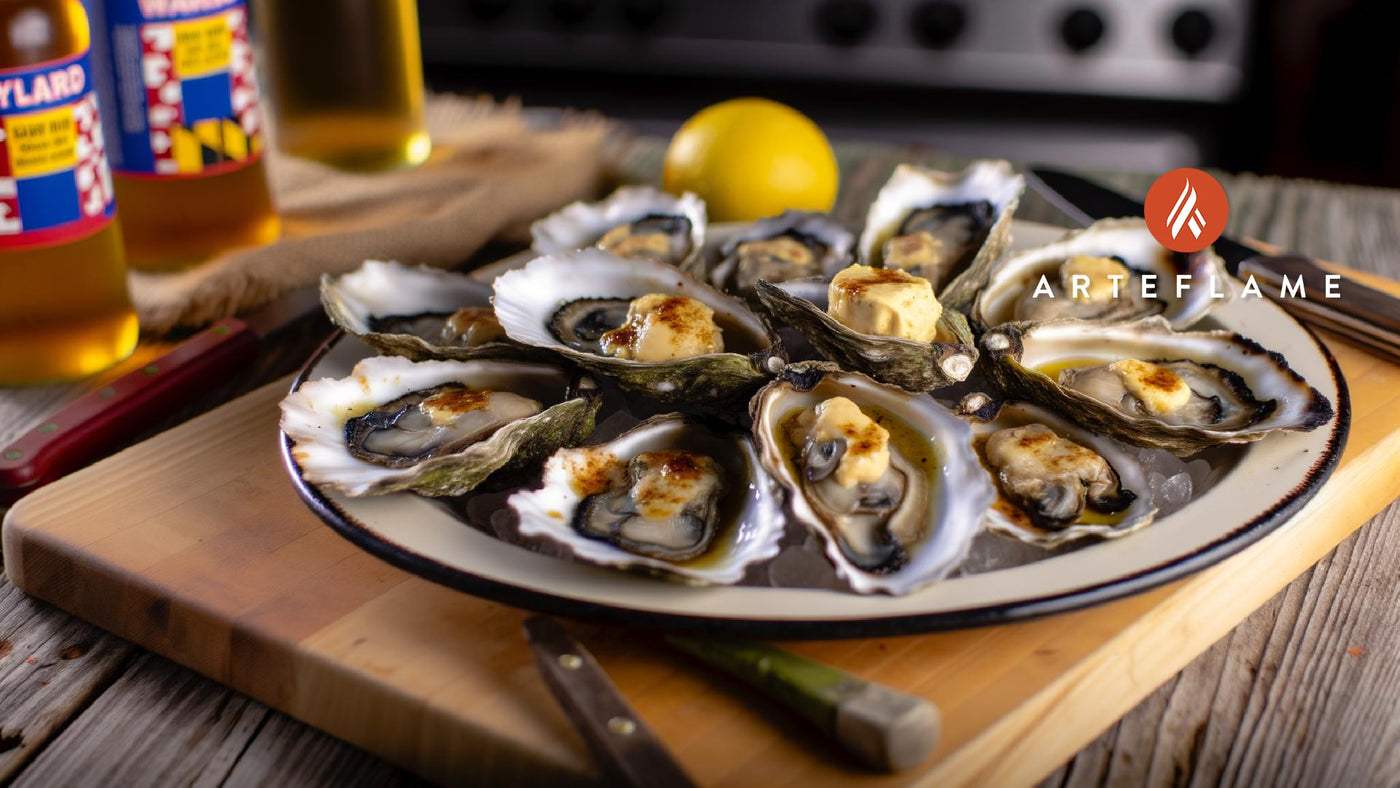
pixel 64 311
pixel 346 80
pixel 185 128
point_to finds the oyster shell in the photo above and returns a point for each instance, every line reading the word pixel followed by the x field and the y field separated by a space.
pixel 634 221
pixel 565 303
pixel 1232 389
pixel 1067 495
pixel 967 216
pixel 895 534
pixel 907 363
pixel 1009 293
pixel 589 502
pixel 434 427
pixel 418 312
pixel 797 245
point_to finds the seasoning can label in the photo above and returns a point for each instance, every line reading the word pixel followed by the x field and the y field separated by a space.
pixel 55 185
pixel 178 75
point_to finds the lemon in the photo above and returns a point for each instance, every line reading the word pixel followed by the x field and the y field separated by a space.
pixel 749 158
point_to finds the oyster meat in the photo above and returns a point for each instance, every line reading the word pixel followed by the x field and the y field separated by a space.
pixel 433 427
pixel 638 222
pixel 418 312
pixel 652 328
pixel 797 245
pixel 887 479
pixel 1146 384
pixel 669 497
pixel 1057 482
pixel 885 323
pixel 945 227
pixel 1113 270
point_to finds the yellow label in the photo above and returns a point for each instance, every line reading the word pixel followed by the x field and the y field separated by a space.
pixel 202 46
pixel 42 142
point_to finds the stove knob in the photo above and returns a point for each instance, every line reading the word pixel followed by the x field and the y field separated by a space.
pixel 1192 31
pixel 845 22
pixel 487 10
pixel 643 14
pixel 1081 29
pixel 571 12
pixel 938 23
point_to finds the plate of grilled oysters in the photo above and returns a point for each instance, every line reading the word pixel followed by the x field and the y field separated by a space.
pixel 798 428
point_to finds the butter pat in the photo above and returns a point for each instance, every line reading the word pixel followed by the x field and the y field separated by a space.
pixel 885 302
pixel 914 250
pixel 866 456
pixel 1160 390
pixel 622 242
pixel 664 327
pixel 1097 271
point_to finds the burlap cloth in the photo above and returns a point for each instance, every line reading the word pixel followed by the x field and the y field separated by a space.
pixel 490 174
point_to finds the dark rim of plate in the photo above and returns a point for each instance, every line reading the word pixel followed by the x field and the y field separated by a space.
pixel 786 629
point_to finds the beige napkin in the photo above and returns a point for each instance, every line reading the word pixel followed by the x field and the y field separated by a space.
pixel 489 173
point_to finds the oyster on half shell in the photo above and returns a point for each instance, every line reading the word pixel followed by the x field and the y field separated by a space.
pixel 945 227
pixel 669 497
pixel 434 427
pixel 418 312
pixel 636 222
pixel 582 304
pixel 1056 481
pixel 887 479
pixel 1111 258
pixel 794 246
pixel 1146 384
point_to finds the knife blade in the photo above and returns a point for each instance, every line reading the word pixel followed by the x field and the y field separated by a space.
pixel 109 416
pixel 1357 312
pixel 626 749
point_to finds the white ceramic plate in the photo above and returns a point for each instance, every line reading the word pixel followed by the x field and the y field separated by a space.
pixel 1271 481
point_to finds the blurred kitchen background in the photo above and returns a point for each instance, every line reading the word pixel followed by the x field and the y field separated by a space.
pixel 1291 87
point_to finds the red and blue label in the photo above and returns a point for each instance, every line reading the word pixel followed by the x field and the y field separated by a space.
pixel 55 185
pixel 183 89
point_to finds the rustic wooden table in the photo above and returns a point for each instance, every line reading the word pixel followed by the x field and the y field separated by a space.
pixel 1304 691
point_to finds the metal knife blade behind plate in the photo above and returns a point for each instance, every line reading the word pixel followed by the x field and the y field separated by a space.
pixel 1360 313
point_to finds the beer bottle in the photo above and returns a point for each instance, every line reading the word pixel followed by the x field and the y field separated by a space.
pixel 185 128
pixel 64 310
pixel 346 78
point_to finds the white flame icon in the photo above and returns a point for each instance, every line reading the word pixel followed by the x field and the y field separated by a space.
pixel 1186 213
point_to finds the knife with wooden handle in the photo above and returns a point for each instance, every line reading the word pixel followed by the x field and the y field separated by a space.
pixel 1357 312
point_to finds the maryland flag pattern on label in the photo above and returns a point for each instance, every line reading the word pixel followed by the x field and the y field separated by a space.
pixel 55 185
pixel 183 77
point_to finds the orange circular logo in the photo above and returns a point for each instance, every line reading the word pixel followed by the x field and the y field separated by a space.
pixel 1186 210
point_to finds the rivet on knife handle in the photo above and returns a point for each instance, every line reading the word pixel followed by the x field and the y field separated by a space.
pixel 886 729
pixel 622 743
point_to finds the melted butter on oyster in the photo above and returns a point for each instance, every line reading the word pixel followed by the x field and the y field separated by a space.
pixel 432 422
pixel 1053 479
pixel 1089 287
pixel 662 327
pixel 662 504
pixel 873 498
pixel 1176 392
pixel 472 326
pixel 777 259
pixel 664 238
pixel 885 302
pixel 937 242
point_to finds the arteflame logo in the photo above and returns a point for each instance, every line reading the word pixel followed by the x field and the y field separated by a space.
pixel 1186 210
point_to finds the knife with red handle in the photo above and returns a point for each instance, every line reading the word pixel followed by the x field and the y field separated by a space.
pixel 101 420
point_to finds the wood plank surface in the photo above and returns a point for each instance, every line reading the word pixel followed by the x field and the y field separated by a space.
pixel 194 545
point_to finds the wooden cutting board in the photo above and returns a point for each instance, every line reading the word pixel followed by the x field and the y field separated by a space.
pixel 195 545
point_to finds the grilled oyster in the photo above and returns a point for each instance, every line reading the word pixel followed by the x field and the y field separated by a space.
pixel 1056 481
pixel 945 227
pixel 645 324
pixel 418 312
pixel 885 323
pixel 668 497
pixel 1146 384
pixel 798 245
pixel 1097 273
pixel 433 427
pixel 887 479
pixel 638 222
